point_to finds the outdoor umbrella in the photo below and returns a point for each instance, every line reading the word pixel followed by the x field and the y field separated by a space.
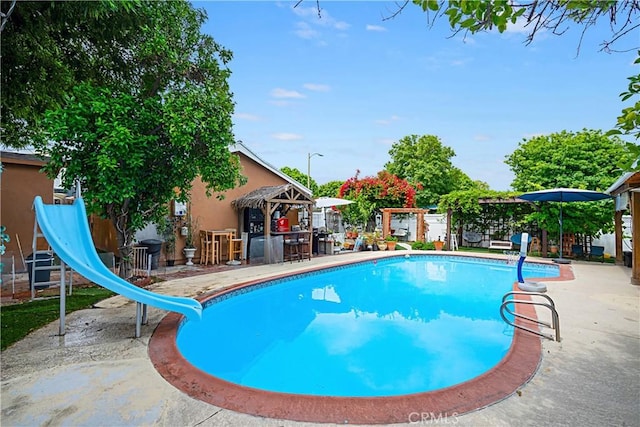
pixel 563 195
pixel 327 202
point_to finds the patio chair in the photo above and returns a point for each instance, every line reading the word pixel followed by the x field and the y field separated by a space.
pixel 402 234
pixel 472 237
pixel 597 252
pixel 577 251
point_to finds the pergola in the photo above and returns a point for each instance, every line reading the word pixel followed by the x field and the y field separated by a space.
pixel 386 220
pixel 627 192
pixel 269 199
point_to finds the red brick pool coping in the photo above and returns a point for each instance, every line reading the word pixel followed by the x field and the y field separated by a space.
pixel 515 370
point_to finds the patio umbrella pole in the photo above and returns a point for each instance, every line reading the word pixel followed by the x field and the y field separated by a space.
pixel 561 260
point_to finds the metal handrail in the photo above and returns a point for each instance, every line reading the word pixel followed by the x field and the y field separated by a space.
pixel 555 319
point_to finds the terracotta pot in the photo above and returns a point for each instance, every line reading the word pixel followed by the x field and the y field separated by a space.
pixel 391 246
pixel 439 244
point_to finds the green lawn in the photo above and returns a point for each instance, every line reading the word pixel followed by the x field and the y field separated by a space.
pixel 18 320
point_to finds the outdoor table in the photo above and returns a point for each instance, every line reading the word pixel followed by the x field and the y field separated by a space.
pixel 220 235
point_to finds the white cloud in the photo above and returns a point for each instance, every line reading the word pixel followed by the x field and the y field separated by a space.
pixel 285 93
pixel 247 116
pixel 286 136
pixel 304 31
pixel 385 122
pixel 482 138
pixel 316 87
pixel 310 17
pixel 519 27
pixel 341 25
pixel 370 27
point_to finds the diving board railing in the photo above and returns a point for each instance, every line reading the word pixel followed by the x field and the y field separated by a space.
pixel 555 319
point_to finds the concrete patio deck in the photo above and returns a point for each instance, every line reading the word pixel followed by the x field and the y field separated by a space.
pixel 99 375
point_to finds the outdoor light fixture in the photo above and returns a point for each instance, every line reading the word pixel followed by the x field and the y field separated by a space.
pixel 309 156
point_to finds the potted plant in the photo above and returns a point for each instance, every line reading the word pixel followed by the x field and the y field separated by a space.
pixel 189 239
pixel 391 242
pixel 167 231
pixel 439 244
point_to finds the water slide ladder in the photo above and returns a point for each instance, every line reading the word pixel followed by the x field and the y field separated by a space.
pixel 44 260
pixel 511 299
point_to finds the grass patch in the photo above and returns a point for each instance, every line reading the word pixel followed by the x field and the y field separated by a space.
pixel 18 320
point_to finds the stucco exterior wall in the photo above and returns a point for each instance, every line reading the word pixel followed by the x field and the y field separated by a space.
pixel 20 182
pixel 213 214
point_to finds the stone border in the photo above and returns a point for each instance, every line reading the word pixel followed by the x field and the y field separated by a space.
pixel 513 371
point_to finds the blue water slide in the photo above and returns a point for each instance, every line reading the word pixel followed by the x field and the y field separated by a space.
pixel 66 228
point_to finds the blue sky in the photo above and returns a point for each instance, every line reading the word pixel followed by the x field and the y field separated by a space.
pixel 349 84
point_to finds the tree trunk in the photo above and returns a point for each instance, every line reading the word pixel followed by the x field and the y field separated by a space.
pixel 124 236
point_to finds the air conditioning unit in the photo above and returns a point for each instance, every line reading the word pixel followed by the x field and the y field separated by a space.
pixel 179 208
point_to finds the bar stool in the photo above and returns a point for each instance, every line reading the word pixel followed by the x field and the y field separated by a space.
pixel 237 247
pixel 292 247
pixel 304 246
pixel 208 249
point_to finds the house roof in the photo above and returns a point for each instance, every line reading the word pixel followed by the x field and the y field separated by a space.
pixel 23 158
pixel 239 147
pixel 282 194
pixel 626 182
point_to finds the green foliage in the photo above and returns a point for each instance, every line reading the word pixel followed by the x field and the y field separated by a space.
pixel 629 121
pixel 20 319
pixel 586 160
pixel 48 47
pixel 468 212
pixel 391 238
pixel 370 194
pixel 426 163
pixel 167 229
pixel 301 178
pixel 137 145
pixel 423 246
pixel 330 189
pixel 553 16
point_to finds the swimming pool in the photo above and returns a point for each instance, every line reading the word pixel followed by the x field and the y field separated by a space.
pixel 384 328
pixel 514 369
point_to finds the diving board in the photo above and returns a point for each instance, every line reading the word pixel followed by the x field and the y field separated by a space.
pixel 66 229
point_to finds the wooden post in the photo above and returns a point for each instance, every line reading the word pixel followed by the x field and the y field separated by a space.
pixel 635 238
pixel 618 237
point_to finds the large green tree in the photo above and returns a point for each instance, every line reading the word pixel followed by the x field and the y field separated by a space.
pixel 135 146
pixel 48 47
pixel 426 163
pixel 301 178
pixel 330 189
pixel 586 159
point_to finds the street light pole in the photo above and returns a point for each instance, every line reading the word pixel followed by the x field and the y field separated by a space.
pixel 309 156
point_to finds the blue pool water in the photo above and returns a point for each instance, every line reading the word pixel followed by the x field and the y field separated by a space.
pixel 392 327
